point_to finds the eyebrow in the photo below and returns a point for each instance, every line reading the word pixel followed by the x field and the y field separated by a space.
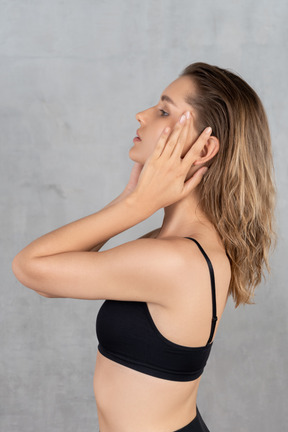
pixel 168 99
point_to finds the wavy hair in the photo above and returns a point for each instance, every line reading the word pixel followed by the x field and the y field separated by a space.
pixel 237 192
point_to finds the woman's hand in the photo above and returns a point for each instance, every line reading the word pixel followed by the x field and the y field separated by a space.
pixel 162 179
pixel 133 180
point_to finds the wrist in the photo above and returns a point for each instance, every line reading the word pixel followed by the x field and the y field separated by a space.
pixel 117 199
pixel 136 203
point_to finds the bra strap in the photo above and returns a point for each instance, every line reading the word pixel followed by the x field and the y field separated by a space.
pixel 211 271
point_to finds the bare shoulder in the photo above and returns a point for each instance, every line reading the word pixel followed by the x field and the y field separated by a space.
pixel 196 268
pixel 197 247
pixel 191 255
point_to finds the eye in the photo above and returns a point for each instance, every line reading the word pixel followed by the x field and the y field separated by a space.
pixel 164 113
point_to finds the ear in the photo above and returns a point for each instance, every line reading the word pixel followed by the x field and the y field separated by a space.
pixel 208 151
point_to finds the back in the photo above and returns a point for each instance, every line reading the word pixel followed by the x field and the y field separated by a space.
pixel 128 335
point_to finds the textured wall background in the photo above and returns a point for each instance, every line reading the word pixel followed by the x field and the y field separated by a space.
pixel 73 74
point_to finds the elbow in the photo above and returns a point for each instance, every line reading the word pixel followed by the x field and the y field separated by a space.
pixel 24 271
pixel 18 268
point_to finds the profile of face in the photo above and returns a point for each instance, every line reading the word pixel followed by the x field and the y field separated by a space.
pixel 166 113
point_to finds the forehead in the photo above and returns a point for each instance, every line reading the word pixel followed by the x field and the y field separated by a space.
pixel 178 90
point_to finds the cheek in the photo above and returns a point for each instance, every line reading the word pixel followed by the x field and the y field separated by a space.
pixel 151 139
pixel 143 149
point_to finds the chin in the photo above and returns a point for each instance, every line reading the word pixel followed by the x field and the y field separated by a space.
pixel 136 157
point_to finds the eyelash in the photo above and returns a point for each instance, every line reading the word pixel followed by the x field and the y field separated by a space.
pixel 163 112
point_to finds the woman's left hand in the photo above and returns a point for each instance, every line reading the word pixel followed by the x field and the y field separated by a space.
pixel 133 180
pixel 162 180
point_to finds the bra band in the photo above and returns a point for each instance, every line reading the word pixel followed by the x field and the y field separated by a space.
pixel 211 271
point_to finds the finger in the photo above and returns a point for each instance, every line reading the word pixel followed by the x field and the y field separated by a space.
pixel 196 148
pixel 173 138
pixel 191 184
pixel 161 143
pixel 182 139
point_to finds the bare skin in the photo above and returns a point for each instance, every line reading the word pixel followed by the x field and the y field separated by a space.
pixel 129 401
pixel 68 263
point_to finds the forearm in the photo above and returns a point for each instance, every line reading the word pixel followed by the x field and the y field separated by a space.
pixel 119 198
pixel 85 233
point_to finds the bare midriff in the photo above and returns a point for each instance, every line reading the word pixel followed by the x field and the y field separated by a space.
pixel 129 401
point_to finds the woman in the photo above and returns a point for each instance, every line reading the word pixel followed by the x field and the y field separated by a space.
pixel 165 292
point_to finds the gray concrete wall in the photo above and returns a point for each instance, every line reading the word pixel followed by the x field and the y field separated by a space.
pixel 73 74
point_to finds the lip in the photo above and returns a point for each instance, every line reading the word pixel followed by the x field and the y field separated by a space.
pixel 137 133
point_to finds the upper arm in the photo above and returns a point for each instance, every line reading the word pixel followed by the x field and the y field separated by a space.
pixel 150 234
pixel 140 270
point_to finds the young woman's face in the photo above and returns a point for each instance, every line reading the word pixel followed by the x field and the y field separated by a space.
pixel 166 113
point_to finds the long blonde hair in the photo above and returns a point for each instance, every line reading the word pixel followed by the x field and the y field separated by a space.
pixel 237 192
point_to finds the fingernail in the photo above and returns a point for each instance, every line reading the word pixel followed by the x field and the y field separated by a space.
pixel 182 118
pixel 187 114
pixel 208 130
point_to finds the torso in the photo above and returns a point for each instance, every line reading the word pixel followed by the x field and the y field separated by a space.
pixel 128 400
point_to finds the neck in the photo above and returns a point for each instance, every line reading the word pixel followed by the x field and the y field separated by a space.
pixel 184 218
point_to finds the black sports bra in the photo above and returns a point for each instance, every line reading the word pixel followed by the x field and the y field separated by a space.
pixel 128 335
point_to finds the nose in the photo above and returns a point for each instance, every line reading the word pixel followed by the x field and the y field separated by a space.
pixel 141 116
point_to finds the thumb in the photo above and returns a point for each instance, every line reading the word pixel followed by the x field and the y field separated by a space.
pixel 135 172
pixel 191 184
pixel 134 176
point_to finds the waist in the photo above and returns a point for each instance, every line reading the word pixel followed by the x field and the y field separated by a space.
pixel 124 396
